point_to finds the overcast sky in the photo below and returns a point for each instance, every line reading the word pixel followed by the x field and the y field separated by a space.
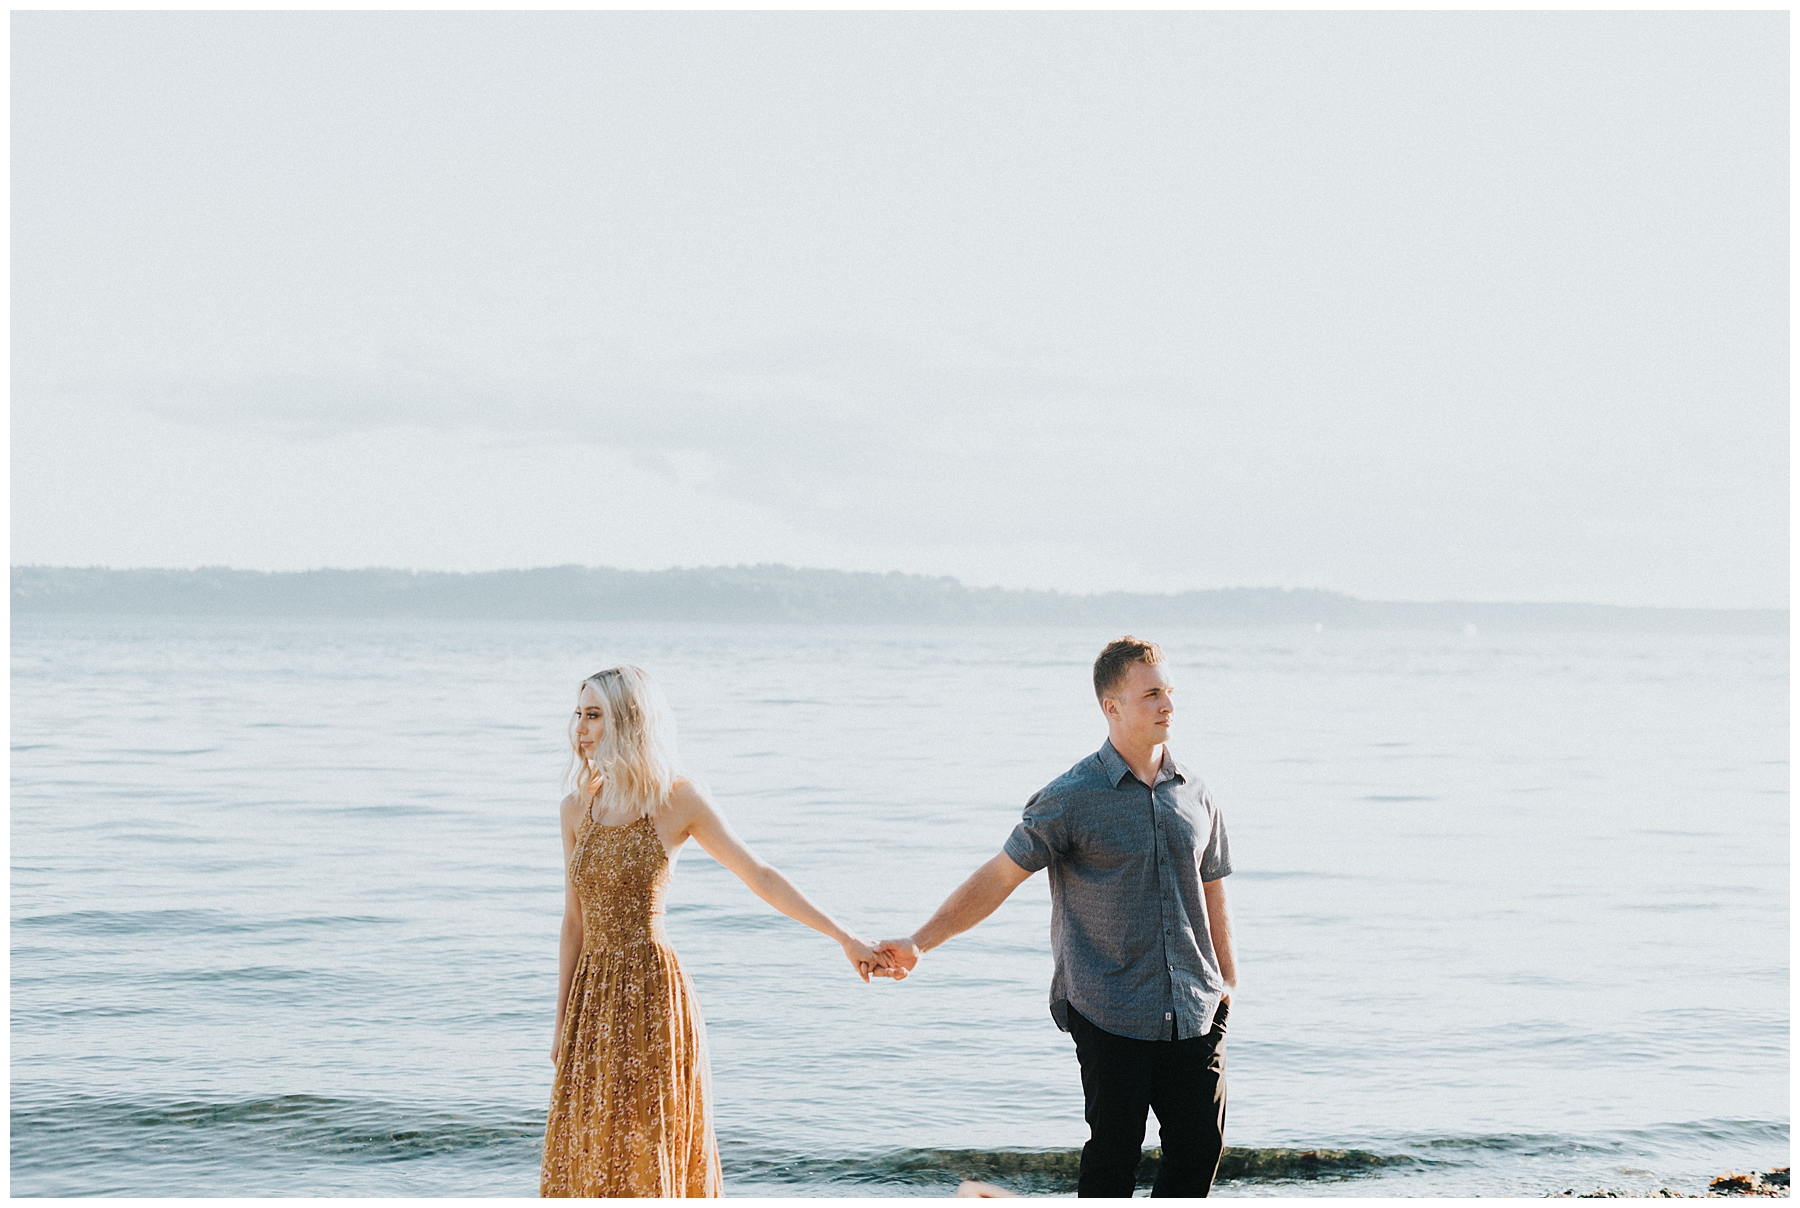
pixel 1410 305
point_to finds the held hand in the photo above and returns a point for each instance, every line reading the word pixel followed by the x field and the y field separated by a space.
pixel 864 959
pixel 899 956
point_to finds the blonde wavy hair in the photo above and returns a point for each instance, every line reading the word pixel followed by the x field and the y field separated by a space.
pixel 632 769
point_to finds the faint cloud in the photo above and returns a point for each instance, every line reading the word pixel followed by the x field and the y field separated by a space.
pixel 859 436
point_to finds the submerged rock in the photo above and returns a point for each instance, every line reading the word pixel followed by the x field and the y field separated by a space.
pixel 1056 1171
pixel 1283 1164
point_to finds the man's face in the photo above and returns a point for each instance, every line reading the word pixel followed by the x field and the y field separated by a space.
pixel 1140 707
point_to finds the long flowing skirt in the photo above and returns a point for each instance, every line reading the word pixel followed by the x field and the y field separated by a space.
pixel 630 1109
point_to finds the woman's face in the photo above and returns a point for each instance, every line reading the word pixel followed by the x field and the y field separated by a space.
pixel 590 721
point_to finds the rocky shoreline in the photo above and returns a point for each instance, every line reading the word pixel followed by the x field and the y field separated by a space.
pixel 1765 1183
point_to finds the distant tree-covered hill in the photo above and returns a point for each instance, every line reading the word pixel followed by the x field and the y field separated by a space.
pixel 785 594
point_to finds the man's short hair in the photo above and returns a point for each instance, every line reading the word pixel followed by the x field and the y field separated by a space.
pixel 1110 667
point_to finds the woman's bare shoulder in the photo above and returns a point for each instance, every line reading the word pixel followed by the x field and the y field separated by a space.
pixel 688 799
pixel 570 809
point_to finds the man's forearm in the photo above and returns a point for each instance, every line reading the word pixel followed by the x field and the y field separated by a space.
pixel 1218 923
pixel 972 901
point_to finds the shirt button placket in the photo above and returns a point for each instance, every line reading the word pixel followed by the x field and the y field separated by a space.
pixel 1162 877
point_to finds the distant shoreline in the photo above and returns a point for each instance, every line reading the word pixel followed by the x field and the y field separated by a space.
pixel 784 594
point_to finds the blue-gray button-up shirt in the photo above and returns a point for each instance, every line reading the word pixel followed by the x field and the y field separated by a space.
pixel 1128 921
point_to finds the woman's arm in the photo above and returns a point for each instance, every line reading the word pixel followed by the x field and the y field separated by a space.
pixel 570 952
pixel 703 823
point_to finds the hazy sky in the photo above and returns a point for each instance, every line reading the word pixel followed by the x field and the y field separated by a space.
pixel 1409 305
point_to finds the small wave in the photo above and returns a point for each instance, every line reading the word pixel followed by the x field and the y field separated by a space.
pixel 54 1133
pixel 1038 1170
pixel 102 1011
pixel 371 1131
pixel 129 922
pixel 387 811
pixel 247 973
pixel 345 1128
pixel 1651 1139
pixel 167 751
pixel 182 922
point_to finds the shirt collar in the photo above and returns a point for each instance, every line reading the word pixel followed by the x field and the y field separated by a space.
pixel 1116 769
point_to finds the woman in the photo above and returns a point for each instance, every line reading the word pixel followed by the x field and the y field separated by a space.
pixel 629 1112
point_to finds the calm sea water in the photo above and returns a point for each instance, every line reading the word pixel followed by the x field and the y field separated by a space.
pixel 1512 912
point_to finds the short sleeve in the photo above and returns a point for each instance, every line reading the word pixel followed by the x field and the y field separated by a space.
pixel 1215 861
pixel 1039 837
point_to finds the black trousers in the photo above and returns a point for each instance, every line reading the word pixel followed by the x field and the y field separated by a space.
pixel 1182 1081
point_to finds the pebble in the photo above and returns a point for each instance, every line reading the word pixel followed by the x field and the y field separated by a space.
pixel 1731 1183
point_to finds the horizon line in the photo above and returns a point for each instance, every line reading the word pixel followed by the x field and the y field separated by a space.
pixel 782 566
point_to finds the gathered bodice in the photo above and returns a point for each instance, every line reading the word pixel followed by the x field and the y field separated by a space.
pixel 621 873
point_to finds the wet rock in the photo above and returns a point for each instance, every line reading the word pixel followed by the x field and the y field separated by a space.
pixel 1731 1183
pixel 1774 1182
pixel 1601 1193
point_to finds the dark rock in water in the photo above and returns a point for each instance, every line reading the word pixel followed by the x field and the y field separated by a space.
pixel 1268 1164
pixel 1732 1183
pixel 1601 1193
pixel 1047 1171
pixel 1773 1183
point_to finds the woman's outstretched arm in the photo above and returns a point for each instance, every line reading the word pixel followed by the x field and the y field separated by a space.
pixel 706 826
pixel 570 953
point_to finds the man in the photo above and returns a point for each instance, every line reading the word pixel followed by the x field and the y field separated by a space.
pixel 1144 968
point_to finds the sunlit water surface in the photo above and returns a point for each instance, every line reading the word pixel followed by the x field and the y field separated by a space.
pixel 1511 911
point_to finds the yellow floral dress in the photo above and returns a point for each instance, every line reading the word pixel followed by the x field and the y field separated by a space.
pixel 630 1109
